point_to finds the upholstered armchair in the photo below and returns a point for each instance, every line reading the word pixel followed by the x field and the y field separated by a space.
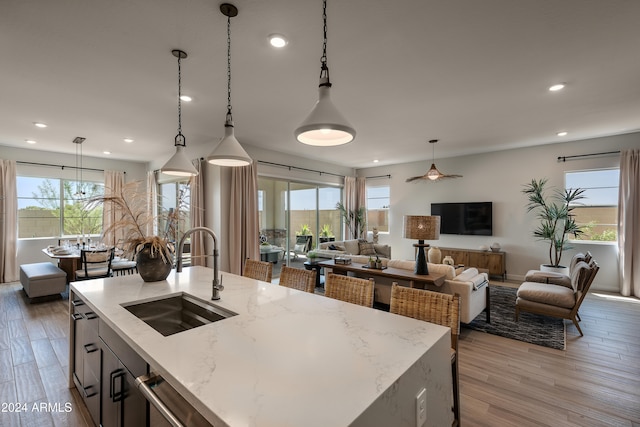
pixel 558 300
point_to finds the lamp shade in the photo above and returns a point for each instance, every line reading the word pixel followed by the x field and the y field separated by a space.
pixel 179 164
pixel 229 152
pixel 325 126
pixel 418 227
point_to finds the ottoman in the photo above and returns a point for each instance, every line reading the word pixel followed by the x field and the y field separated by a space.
pixel 42 279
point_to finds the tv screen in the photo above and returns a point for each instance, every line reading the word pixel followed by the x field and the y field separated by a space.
pixel 464 218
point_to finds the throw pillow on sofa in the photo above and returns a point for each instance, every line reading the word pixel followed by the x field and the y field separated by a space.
pixel 366 248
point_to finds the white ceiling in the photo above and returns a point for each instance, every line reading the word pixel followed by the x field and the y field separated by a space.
pixel 472 73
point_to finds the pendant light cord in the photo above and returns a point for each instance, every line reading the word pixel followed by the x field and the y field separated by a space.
pixel 324 69
pixel 229 117
pixel 180 139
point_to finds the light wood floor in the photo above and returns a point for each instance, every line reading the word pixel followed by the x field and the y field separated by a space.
pixel 34 355
pixel 595 382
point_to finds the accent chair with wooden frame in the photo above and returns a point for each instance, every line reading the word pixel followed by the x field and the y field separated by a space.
pixel 349 289
pixel 558 300
pixel 434 307
pixel 259 270
pixel 95 264
pixel 296 278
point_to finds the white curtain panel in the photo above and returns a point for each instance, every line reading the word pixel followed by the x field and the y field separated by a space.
pixel 244 239
pixel 350 199
pixel 629 223
pixel 196 213
pixel 8 222
pixel 113 183
pixel 152 202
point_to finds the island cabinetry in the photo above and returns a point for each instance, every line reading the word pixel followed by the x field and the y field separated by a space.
pixel 86 351
pixel 493 262
pixel 123 404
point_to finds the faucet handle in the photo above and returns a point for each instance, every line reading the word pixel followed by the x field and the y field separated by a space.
pixel 220 287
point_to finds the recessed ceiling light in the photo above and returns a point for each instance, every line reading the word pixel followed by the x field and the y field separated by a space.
pixel 39 125
pixel 562 133
pixel 106 152
pixel 278 40
pixel 376 161
pixel 185 98
pixel 128 140
pixel 556 87
pixel 29 141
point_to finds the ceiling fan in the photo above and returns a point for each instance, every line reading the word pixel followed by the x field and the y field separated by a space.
pixel 433 174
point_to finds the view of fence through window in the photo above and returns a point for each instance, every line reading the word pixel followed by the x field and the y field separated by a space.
pixel 378 201
pixel 51 207
pixel 309 210
pixel 597 213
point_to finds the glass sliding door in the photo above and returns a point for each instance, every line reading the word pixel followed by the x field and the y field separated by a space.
pixel 295 217
pixel 329 219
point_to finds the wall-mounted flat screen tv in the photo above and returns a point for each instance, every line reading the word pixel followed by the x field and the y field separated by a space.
pixel 474 218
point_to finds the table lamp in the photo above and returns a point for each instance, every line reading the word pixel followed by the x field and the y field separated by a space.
pixel 421 228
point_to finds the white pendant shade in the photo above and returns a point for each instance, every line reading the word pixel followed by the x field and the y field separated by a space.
pixel 229 152
pixel 325 126
pixel 179 164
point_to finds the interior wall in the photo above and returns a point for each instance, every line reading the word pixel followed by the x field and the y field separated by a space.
pixel 499 178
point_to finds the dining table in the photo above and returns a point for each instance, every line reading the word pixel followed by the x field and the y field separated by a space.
pixel 68 259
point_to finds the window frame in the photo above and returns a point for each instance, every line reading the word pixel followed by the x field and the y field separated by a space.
pixel 386 208
pixel 62 201
pixel 607 205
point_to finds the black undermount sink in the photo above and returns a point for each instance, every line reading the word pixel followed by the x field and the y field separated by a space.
pixel 177 313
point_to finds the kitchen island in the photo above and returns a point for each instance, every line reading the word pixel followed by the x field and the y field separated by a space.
pixel 288 358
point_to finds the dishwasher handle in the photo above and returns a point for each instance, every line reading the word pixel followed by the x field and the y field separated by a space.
pixel 142 384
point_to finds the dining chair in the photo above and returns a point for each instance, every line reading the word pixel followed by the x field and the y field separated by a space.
pixel 349 289
pixel 95 263
pixel 259 270
pixel 434 307
pixel 122 266
pixel 296 278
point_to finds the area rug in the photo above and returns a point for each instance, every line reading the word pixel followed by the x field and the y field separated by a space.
pixel 531 328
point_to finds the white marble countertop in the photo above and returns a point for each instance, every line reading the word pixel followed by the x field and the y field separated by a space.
pixel 288 358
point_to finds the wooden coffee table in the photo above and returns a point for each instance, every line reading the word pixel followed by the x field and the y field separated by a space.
pixel 415 280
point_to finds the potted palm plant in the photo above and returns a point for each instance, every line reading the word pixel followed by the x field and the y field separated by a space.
pixel 354 219
pixel 326 234
pixel 153 252
pixel 556 219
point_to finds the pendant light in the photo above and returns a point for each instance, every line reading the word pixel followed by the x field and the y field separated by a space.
pixel 179 164
pixel 433 174
pixel 229 152
pixel 325 126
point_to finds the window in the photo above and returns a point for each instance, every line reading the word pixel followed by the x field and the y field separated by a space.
pixel 598 211
pixel 51 207
pixel 378 201
pixel 174 200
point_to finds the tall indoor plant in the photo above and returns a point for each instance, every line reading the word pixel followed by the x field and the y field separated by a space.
pixel 354 219
pixel 153 252
pixel 555 214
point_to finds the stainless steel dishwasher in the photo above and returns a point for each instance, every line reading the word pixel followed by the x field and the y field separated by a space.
pixel 170 405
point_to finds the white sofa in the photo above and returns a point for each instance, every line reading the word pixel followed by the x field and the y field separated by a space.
pixel 350 247
pixel 471 285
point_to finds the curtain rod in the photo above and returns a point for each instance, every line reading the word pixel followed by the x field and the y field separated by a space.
pixel 378 176
pixel 299 168
pixel 59 166
pixel 564 158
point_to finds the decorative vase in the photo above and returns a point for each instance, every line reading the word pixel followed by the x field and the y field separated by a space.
pixel 448 260
pixel 151 268
pixel 434 255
